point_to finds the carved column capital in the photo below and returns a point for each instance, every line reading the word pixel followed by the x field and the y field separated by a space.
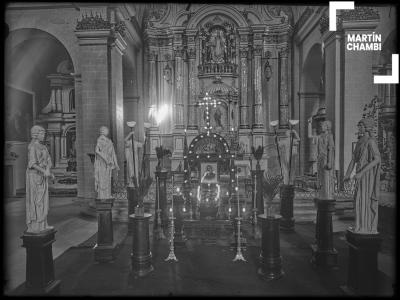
pixel 284 52
pixel 151 55
pixel 178 51
pixel 243 52
pixel 257 50
pixel 191 53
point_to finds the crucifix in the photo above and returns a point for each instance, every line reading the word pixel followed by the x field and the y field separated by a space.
pixel 208 102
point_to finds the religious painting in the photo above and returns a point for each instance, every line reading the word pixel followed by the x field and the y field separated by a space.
pixel 18 115
pixel 209 173
pixel 243 168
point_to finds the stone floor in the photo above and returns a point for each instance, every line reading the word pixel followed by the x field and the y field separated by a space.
pixel 208 269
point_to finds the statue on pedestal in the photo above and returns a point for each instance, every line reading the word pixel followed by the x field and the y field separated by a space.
pixel 367 160
pixel 105 162
pixel 37 185
pixel 132 159
pixel 284 146
pixel 312 135
pixel 325 160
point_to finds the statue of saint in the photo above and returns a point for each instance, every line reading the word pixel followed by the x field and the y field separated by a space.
pixel 325 161
pixel 217 117
pixel 312 135
pixel 367 160
pixel 105 161
pixel 218 46
pixel 131 164
pixel 37 182
pixel 284 148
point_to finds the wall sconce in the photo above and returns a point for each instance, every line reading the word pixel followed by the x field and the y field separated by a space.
pixel 267 71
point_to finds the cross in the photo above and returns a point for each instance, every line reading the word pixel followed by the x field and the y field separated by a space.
pixel 208 102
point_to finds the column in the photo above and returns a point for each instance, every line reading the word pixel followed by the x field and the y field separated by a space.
pixel 57 152
pixel 283 89
pixel 94 61
pixel 244 107
pixel 58 99
pixel 152 83
pixel 192 120
pixel 258 103
pixel 80 155
pixel 178 110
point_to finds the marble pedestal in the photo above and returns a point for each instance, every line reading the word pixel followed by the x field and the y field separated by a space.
pixel 104 249
pixel 141 253
pixel 40 264
pixel 270 258
pixel 362 276
pixel 323 252
pixel 286 196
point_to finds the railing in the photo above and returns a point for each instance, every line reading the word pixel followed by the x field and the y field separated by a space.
pixel 213 68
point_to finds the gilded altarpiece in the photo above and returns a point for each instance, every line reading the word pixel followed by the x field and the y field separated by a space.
pixel 237 54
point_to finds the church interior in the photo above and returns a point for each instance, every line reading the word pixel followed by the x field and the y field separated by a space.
pixel 198 149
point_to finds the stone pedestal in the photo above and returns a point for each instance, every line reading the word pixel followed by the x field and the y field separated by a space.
pixel 133 200
pixel 257 177
pixel 39 263
pixel 270 257
pixel 162 201
pixel 141 253
pixel 104 249
pixel 179 238
pixel 287 195
pixel 362 278
pixel 323 252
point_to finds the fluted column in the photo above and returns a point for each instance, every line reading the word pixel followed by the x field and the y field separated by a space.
pixel 57 148
pixel 258 104
pixel 192 120
pixel 152 83
pixel 244 107
pixel 178 112
pixel 283 89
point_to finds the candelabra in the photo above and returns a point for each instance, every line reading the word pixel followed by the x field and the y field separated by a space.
pixel 239 255
pixel 171 255
pixel 190 207
pixel 159 233
pixel 254 194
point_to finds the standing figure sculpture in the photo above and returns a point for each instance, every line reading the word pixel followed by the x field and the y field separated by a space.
pixel 132 160
pixel 284 148
pixel 37 182
pixel 325 161
pixel 217 117
pixel 105 162
pixel 312 159
pixel 367 160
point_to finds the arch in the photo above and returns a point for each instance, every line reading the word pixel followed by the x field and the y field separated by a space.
pixel 225 10
pixel 312 70
pixel 220 144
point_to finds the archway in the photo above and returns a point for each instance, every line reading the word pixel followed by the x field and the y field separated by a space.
pixel 30 55
pixel 311 100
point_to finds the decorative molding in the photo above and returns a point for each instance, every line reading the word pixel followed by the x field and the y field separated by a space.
pixel 323 23
pixel 283 52
pixel 303 18
pixel 151 56
pixel 92 22
pixel 120 27
pixel 360 13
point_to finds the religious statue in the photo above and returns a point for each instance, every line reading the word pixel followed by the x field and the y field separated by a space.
pixel 132 159
pixel 218 46
pixel 284 146
pixel 325 161
pixel 37 184
pixel 366 159
pixel 312 135
pixel 217 117
pixel 105 161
